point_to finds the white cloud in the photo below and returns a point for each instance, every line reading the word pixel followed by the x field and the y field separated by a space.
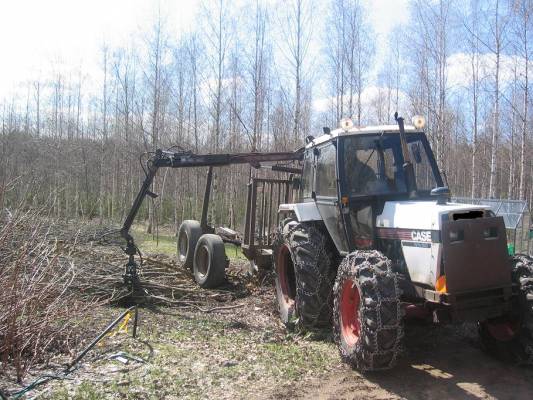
pixel 384 17
pixel 372 98
pixel 460 68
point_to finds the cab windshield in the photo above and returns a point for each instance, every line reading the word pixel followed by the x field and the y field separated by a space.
pixel 373 165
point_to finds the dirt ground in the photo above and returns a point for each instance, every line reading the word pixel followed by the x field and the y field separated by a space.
pixel 440 363
pixel 237 348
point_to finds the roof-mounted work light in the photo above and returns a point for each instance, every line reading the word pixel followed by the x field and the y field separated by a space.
pixel 346 124
pixel 419 121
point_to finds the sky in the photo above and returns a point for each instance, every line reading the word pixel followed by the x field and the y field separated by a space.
pixel 37 36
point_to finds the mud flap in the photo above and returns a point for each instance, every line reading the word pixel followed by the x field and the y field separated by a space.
pixel 475 254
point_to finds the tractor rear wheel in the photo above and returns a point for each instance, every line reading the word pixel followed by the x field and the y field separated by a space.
pixel 304 264
pixel 188 235
pixel 210 261
pixel 510 338
pixel 367 317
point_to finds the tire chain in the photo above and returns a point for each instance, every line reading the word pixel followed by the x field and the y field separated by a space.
pixel 361 266
pixel 523 275
pixel 313 318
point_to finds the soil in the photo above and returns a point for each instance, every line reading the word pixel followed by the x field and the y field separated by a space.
pixel 440 363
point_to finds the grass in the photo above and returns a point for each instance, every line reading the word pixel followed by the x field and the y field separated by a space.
pixel 165 243
pixel 200 356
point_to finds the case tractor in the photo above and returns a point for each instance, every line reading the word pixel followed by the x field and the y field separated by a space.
pixel 361 235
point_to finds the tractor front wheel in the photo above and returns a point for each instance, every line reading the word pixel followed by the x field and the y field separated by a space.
pixel 367 317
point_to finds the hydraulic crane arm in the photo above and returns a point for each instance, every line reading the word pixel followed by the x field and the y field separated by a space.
pixel 171 159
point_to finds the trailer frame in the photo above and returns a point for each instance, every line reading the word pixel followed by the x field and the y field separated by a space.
pixel 187 159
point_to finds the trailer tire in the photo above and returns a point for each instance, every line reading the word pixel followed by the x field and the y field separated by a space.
pixel 304 264
pixel 188 234
pixel 210 261
pixel 510 338
pixel 367 314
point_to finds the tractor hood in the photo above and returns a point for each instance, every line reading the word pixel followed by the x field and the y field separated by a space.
pixel 425 215
pixel 418 226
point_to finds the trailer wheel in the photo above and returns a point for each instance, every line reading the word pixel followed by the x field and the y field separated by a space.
pixel 510 337
pixel 210 261
pixel 367 317
pixel 188 235
pixel 305 271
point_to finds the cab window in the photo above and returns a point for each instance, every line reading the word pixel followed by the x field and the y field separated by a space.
pixel 425 178
pixel 307 175
pixel 371 165
pixel 326 180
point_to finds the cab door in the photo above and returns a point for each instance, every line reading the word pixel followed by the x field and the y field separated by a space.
pixel 326 193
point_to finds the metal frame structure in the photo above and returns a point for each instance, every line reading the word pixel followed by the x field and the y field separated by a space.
pixel 268 194
pixel 171 159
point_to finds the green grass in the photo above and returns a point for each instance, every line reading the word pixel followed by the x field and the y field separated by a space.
pixel 165 243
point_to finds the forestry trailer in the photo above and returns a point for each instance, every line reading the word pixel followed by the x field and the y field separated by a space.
pixel 362 235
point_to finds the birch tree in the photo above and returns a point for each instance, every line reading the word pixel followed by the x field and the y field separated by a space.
pixel 522 32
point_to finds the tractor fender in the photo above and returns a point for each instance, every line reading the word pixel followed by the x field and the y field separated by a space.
pixel 304 212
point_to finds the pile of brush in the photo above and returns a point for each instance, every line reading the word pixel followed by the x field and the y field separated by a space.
pixel 38 310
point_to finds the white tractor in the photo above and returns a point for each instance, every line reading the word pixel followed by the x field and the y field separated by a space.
pixel 373 239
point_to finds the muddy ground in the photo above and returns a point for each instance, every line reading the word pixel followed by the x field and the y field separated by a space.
pixel 237 348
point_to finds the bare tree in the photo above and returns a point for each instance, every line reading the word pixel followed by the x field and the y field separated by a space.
pixel 497 32
pixel 258 72
pixel 37 99
pixel 155 75
pixel 429 40
pixel 296 26
pixel 524 13
pixel 351 53
pixel 473 41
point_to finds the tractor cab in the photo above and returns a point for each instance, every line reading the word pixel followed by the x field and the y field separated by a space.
pixel 351 173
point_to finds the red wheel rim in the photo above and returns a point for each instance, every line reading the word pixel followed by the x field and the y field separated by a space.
pixel 503 331
pixel 284 267
pixel 350 324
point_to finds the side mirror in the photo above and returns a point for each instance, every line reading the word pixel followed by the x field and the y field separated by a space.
pixel 441 193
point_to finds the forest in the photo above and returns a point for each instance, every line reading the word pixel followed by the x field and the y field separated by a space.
pixel 261 76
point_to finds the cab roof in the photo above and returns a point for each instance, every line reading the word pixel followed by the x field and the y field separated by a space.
pixel 360 130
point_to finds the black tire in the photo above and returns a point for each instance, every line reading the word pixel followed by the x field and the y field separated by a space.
pixel 188 235
pixel 367 316
pixel 304 263
pixel 210 261
pixel 510 338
